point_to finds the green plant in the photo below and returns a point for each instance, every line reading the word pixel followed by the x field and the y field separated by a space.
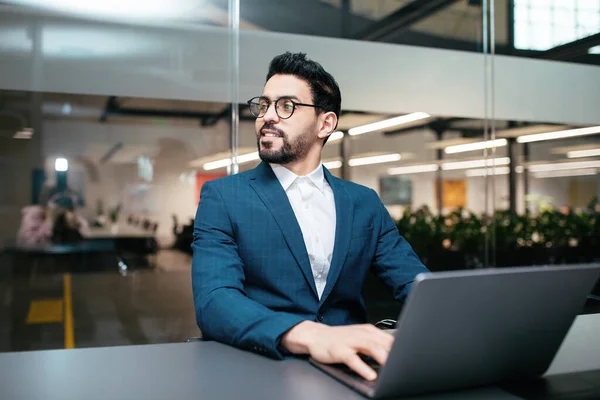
pixel 460 237
pixel 114 213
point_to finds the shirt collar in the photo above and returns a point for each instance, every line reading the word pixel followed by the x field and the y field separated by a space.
pixel 287 177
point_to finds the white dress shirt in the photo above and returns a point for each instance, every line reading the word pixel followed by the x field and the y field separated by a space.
pixel 313 203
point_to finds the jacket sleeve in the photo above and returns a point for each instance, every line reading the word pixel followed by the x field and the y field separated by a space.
pixel 223 311
pixel 395 261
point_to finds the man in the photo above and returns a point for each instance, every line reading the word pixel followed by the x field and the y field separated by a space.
pixel 281 251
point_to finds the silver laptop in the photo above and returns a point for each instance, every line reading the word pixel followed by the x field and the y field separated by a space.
pixel 470 328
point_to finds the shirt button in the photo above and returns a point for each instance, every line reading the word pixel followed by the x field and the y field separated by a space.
pixel 320 316
pixel 307 206
pixel 318 241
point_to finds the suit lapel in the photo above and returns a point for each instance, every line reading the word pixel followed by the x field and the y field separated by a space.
pixel 344 212
pixel 268 188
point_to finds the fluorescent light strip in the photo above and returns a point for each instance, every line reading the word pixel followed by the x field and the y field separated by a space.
pixel 495 171
pixel 354 162
pixel 227 161
pixel 460 148
pixel 388 123
pixel 564 166
pixel 487 171
pixel 583 153
pixel 413 169
pixel 332 164
pixel 475 163
pixel 335 136
pixel 559 134
pixel 566 173
pixel 374 159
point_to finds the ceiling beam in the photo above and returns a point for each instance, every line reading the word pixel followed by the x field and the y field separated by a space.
pixel 570 51
pixel 305 17
pixel 402 19
pixel 113 108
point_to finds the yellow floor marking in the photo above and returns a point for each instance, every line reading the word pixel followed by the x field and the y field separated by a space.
pixel 69 334
pixel 45 311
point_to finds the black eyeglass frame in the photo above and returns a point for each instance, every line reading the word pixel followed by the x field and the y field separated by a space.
pixel 294 103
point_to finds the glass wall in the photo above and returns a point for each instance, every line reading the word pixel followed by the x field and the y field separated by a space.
pixel 106 116
pixel 111 120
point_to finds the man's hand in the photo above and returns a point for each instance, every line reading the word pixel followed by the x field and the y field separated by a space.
pixel 340 344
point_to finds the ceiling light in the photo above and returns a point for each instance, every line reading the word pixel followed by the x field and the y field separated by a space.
pixel 332 164
pixel 66 108
pixel 388 123
pixel 335 136
pixel 572 172
pixel 594 50
pixel 460 148
pixel 226 162
pixel 374 159
pixel 61 164
pixel 564 166
pixel 487 171
pixel 475 163
pixel 559 134
pixel 493 171
pixel 413 169
pixel 25 133
pixel 583 153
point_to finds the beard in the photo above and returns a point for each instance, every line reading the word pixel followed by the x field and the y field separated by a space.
pixel 287 153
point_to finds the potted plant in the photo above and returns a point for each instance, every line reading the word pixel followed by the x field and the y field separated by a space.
pixel 114 217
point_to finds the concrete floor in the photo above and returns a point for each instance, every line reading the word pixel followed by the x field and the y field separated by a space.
pixel 108 308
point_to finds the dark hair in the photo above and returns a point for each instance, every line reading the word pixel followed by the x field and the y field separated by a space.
pixel 325 90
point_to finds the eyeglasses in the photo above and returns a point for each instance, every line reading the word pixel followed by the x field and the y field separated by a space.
pixel 284 106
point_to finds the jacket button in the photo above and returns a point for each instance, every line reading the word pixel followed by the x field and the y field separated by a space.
pixel 320 316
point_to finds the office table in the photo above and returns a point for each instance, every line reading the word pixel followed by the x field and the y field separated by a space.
pixel 209 370
pixel 123 231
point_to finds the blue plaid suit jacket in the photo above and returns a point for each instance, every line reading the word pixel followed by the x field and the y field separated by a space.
pixel 251 275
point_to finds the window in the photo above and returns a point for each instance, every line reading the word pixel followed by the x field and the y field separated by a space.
pixel 544 24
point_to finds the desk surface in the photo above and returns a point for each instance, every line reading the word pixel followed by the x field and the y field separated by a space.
pixel 82 246
pixel 122 231
pixel 209 370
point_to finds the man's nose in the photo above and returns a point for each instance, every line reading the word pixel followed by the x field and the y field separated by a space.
pixel 271 114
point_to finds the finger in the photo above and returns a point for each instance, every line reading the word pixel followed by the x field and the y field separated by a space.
pixel 360 367
pixel 378 353
pixel 370 336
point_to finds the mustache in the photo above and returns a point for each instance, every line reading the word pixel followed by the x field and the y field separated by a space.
pixel 272 127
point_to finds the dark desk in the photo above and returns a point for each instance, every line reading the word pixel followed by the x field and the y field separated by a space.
pixel 208 370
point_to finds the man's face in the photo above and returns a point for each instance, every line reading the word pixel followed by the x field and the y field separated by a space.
pixel 282 141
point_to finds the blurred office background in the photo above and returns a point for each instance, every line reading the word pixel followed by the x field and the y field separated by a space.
pixel 475 121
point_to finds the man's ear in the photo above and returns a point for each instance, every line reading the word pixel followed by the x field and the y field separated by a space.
pixel 328 124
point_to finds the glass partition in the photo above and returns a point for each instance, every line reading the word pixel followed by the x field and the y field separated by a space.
pixel 112 119
pixel 107 117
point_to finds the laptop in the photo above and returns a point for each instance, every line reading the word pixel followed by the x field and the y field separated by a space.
pixel 462 329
